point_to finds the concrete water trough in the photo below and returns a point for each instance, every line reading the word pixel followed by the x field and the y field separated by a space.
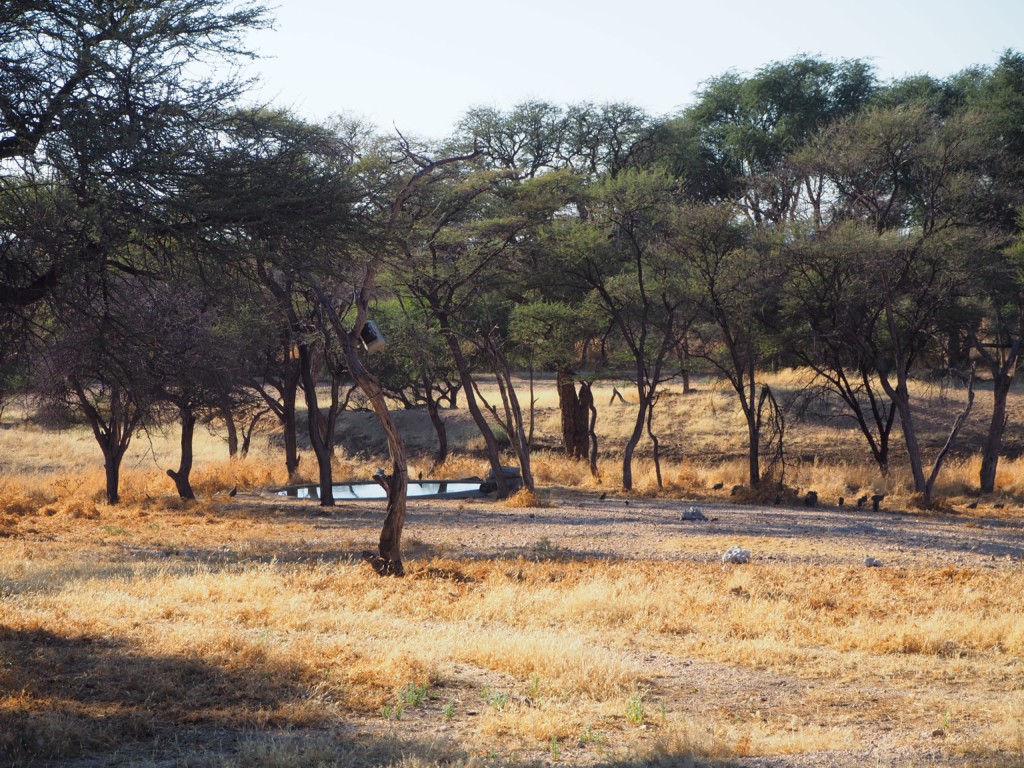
pixel 465 488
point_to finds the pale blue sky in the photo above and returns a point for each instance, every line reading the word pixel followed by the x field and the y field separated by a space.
pixel 419 66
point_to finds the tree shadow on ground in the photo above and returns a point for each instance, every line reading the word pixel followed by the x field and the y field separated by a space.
pixel 62 697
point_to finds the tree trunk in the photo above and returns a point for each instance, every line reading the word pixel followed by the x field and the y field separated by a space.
pixel 684 364
pixel 113 435
pixel 996 429
pixel 289 425
pixel 112 472
pixel 587 402
pixel 634 439
pixel 318 440
pixel 388 561
pixel 575 437
pixel 957 425
pixel 901 397
pixel 435 419
pixel 754 452
pixel 466 376
pixel 181 476
pixel 232 428
pixel 654 440
pixel 247 433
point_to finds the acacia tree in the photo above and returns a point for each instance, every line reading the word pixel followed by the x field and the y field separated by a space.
pixel 620 255
pixel 100 116
pixel 828 310
pixel 198 364
pixel 548 334
pixel 731 278
pixel 459 236
pixel 97 361
pixel 275 205
pixel 104 95
pixel 416 367
pixel 998 340
pixel 908 178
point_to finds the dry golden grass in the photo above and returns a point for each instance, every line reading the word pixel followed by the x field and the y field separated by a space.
pixel 525 652
pixel 247 632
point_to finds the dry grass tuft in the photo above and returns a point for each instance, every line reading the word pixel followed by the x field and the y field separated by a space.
pixel 524 498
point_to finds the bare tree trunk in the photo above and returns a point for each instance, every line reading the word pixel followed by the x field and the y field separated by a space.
pixel 435 418
pixel 317 438
pixel 900 395
pixel 957 425
pixel 229 424
pixel 575 437
pixel 247 432
pixel 996 429
pixel 181 476
pixel 466 376
pixel 113 434
pixel 654 440
pixel 1002 379
pixel 587 402
pixel 289 426
pixel 684 364
pixel 388 561
pixel 634 439
pixel 513 421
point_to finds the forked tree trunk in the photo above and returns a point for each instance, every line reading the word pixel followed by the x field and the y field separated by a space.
pixel 317 437
pixel 957 425
pixel 113 434
pixel 634 439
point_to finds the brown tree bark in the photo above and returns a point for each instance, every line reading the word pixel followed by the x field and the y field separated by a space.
pixel 575 436
pixel 435 419
pixel 321 431
pixel 181 476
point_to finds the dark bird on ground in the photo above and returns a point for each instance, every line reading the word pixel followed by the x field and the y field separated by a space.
pixel 718 486
pixel 233 491
pixel 603 496
pixel 973 504
pixel 840 501
pixel 862 501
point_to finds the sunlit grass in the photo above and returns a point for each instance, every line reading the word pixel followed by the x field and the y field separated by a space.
pixel 143 622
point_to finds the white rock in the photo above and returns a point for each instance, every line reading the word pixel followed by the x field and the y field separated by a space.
pixel 736 555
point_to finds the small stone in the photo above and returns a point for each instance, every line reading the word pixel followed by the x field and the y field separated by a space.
pixel 693 514
pixel 872 562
